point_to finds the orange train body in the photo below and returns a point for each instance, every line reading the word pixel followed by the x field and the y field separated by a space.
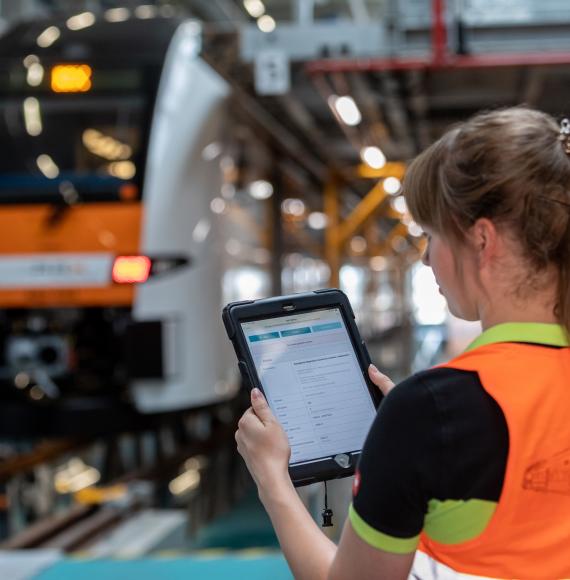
pixel 40 230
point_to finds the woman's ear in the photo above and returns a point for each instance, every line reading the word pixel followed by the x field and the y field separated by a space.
pixel 483 238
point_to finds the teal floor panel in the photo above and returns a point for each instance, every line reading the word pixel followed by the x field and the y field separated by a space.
pixel 198 568
pixel 246 525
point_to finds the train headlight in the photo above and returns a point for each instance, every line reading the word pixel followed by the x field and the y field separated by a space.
pixel 131 269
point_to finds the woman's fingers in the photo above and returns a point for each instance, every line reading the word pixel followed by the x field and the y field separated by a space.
pixel 260 406
pixel 383 382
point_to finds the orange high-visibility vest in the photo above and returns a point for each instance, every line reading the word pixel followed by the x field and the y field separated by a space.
pixel 528 536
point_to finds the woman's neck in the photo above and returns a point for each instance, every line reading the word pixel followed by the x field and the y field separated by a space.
pixel 507 309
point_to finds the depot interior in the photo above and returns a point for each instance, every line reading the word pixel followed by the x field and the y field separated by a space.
pixel 160 160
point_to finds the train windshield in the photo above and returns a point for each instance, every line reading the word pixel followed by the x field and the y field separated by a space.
pixel 77 146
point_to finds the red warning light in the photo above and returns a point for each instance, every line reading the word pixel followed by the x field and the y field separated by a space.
pixel 131 269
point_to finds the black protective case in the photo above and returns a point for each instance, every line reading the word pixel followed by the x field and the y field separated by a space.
pixel 332 467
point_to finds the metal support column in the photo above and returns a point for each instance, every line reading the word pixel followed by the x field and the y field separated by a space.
pixel 276 233
pixel 332 242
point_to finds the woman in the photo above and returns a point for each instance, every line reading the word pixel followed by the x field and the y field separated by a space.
pixel 466 470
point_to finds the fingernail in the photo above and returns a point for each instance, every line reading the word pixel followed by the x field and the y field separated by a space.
pixel 255 393
pixel 374 369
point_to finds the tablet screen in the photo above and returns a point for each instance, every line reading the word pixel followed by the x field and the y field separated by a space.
pixel 313 382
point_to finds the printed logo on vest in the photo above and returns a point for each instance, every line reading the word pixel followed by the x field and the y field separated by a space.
pixel 551 475
pixel 356 483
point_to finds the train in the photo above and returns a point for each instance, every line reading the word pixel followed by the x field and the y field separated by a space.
pixel 111 258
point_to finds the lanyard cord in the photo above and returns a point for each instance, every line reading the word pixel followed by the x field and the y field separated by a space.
pixel 327 513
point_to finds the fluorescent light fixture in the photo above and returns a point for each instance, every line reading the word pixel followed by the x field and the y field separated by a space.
pixel 35 74
pixel 201 230
pixel 105 146
pixel 392 185
pixel 415 230
pixel 81 21
pixel 30 60
pixel 358 244
pixel 146 11
pixel 378 263
pixel 184 483
pixel 48 37
pixel 218 205
pixel 117 14
pixel 266 23
pixel 233 247
pixel 211 151
pixel 399 204
pixel 317 220
pixel 255 8
pixel 47 166
pixel 32 116
pixel 260 189
pixel 346 108
pixel 122 169
pixel 373 157
pixel 293 206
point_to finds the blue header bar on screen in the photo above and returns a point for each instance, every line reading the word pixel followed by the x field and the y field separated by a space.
pixel 264 336
pixel 295 331
pixel 327 326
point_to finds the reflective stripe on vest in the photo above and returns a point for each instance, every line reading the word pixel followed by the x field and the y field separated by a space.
pixel 528 537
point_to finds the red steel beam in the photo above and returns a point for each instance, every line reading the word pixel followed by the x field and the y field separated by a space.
pixel 449 62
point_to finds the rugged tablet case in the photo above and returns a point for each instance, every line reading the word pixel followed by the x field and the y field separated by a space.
pixel 341 465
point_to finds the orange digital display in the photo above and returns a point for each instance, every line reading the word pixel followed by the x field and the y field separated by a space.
pixel 71 78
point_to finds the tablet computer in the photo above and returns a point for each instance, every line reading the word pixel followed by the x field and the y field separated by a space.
pixel 305 353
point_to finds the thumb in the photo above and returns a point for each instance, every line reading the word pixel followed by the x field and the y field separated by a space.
pixel 383 382
pixel 260 406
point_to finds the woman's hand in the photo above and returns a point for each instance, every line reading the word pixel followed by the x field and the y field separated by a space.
pixel 263 444
pixel 383 382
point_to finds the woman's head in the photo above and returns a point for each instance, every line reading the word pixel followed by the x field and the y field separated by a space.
pixel 509 170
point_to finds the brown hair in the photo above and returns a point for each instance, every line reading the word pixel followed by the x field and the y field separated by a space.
pixel 508 166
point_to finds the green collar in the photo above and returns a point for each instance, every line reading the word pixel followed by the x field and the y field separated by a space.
pixel 533 332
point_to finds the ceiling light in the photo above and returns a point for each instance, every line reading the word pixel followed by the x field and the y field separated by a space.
pixel 255 8
pixel 211 151
pixel 30 60
pixel 47 166
pixel 35 74
pixel 117 14
pixel 378 263
pixel 32 116
pixel 48 37
pixel 358 244
pixel 373 157
pixel 266 23
pixel 346 109
pixel 317 220
pixel 218 205
pixel 201 230
pixel 415 230
pixel 399 204
pixel 260 189
pixel 122 169
pixel 392 185
pixel 293 206
pixel 80 21
pixel 145 11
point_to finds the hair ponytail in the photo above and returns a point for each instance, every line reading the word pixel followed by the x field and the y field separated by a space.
pixel 511 166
